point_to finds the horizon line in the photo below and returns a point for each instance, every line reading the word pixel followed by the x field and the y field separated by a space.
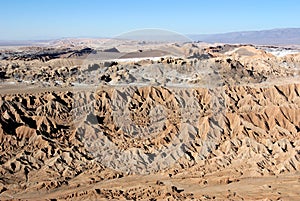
pixel 52 38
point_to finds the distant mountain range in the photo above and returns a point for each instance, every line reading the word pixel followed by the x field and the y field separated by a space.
pixel 285 36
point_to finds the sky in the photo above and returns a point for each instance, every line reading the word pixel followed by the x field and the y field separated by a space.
pixel 51 19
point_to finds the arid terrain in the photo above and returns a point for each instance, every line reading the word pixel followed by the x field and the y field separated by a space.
pixel 88 119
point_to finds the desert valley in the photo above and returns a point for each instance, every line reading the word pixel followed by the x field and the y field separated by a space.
pixel 98 119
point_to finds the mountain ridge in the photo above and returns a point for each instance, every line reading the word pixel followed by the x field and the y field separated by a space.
pixel 278 36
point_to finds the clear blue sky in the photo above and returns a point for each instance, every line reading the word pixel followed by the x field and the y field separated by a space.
pixel 43 19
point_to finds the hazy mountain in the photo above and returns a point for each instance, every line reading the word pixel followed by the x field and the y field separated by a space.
pixel 264 37
pixel 286 36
